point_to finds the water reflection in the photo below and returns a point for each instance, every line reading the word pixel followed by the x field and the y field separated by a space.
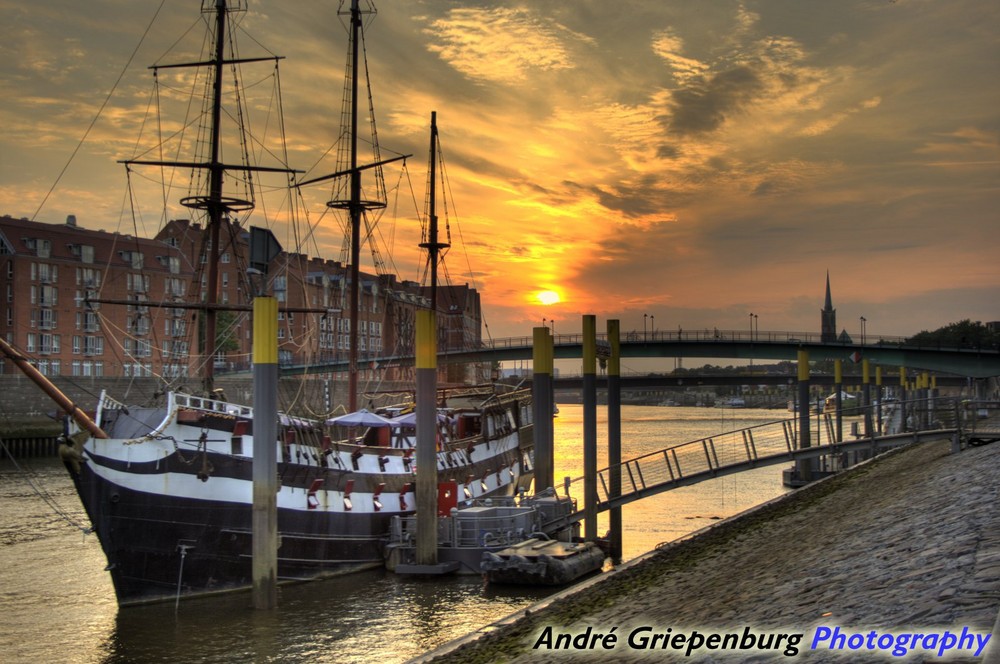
pixel 373 616
pixel 51 575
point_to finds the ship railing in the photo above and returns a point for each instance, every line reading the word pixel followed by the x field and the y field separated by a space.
pixel 482 526
pixel 210 405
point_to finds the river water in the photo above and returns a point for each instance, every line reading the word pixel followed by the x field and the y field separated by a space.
pixel 58 604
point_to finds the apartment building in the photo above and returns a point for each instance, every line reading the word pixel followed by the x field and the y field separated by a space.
pixel 80 302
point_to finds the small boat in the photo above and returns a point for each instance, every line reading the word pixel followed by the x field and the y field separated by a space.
pixel 850 404
pixel 542 561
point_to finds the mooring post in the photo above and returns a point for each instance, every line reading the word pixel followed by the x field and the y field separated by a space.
pixel 590 427
pixel 541 388
pixel 615 436
pixel 878 399
pixel 265 453
pixel 838 387
pixel 932 395
pixel 929 389
pixel 426 490
pixel 804 465
pixel 902 398
pixel 866 395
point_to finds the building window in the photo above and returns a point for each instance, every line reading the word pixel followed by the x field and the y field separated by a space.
pixel 280 288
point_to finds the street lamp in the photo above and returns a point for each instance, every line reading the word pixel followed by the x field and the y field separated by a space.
pixel 644 317
pixel 652 325
pixel 863 321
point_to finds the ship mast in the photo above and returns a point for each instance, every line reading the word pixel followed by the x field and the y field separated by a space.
pixel 356 212
pixel 433 246
pixel 215 206
pixel 215 203
pixel 354 203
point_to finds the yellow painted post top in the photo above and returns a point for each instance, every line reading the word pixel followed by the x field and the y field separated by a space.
pixel 866 371
pixel 265 330
pixel 838 371
pixel 541 351
pixel 803 360
pixel 426 339
pixel 878 376
pixel 902 376
pixel 589 344
pixel 614 340
pixel 934 382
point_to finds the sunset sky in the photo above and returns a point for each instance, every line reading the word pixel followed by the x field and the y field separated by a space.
pixel 692 160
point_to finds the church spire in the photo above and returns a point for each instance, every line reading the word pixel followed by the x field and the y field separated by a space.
pixel 828 321
pixel 829 300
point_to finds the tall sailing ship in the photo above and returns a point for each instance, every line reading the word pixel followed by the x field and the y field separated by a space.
pixel 168 488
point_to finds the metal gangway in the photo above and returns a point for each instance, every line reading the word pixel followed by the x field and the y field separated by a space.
pixel 898 424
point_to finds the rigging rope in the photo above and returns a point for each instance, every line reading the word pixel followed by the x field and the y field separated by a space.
pixel 99 111
pixel 45 495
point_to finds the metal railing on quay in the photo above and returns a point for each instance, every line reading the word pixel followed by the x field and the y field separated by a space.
pixel 976 422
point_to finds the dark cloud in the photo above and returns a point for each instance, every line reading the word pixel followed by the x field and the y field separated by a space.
pixel 704 107
pixel 632 200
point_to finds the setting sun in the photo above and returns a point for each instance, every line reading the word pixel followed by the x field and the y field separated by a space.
pixel 548 297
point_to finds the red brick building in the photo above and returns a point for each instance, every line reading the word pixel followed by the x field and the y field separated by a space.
pixel 51 275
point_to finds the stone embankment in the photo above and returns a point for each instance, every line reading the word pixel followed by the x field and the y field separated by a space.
pixel 906 543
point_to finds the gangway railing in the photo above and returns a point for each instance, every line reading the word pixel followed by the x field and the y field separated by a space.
pixel 902 423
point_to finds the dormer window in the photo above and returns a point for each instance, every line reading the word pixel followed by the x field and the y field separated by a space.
pixel 133 258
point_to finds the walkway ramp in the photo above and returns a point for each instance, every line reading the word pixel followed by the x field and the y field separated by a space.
pixel 768 444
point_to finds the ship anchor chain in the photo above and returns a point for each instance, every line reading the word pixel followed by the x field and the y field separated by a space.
pixel 206 466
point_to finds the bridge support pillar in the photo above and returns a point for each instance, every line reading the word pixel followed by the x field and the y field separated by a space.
pixel 615 436
pixel 542 362
pixel 590 427
pixel 803 467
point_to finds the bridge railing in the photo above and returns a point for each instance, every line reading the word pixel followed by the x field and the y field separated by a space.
pixel 710 335
pixel 707 455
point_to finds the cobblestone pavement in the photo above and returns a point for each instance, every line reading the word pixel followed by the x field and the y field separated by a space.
pixel 907 543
